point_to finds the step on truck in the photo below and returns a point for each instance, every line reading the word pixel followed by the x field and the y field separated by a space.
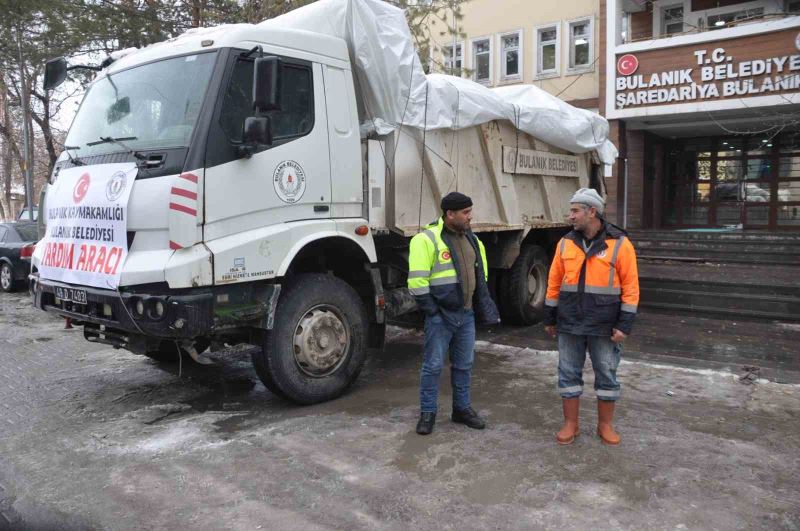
pixel 219 188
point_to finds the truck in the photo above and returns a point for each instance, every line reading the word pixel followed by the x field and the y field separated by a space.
pixel 260 210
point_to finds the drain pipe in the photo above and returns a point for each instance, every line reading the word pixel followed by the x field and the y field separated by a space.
pixel 625 196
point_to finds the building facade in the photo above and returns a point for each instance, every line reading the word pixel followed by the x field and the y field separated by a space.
pixel 554 45
pixel 703 99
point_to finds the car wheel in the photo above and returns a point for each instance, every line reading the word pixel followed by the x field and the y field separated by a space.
pixel 6 278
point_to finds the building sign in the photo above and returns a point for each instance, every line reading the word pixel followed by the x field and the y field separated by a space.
pixel 539 162
pixel 757 65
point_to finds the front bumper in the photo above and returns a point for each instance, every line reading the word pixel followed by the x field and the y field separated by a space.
pixel 185 316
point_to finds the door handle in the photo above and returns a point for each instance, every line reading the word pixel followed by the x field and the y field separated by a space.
pixel 321 208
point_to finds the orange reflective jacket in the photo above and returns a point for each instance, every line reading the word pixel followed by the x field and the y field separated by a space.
pixel 591 292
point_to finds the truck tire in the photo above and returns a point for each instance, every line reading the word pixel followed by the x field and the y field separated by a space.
pixel 7 283
pixel 524 286
pixel 168 352
pixel 318 343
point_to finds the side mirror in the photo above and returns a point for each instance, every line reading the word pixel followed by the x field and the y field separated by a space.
pixel 266 84
pixel 55 72
pixel 257 132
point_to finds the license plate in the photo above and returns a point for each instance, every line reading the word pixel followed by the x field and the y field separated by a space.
pixel 71 294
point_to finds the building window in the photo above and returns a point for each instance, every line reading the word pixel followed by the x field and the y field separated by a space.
pixel 727 19
pixel 447 53
pixel 511 55
pixel 580 44
pixel 482 60
pixel 672 20
pixel 547 50
pixel 625 25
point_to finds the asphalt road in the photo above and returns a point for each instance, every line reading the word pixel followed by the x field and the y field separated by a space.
pixel 92 438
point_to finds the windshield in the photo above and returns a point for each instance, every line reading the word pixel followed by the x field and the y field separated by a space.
pixel 152 106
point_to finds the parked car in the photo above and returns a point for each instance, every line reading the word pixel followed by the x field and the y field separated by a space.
pixel 749 192
pixel 17 242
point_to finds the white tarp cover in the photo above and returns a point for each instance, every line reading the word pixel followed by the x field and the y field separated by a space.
pixel 394 89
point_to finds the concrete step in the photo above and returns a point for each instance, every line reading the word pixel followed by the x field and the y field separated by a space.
pixel 756 236
pixel 715 312
pixel 733 247
pixel 721 290
pixel 721 287
pixel 720 245
pixel 742 305
pixel 718 255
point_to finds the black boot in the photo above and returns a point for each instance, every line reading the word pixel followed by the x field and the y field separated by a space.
pixel 468 417
pixel 426 422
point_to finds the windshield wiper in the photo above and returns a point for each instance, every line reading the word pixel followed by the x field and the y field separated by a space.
pixel 74 160
pixel 118 141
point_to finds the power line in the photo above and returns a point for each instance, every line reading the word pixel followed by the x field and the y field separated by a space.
pixel 591 66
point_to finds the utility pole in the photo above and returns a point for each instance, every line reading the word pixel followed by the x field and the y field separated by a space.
pixel 25 131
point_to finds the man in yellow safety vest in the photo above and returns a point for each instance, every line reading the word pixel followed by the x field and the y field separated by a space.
pixel 447 275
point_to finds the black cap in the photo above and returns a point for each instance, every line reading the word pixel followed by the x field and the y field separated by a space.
pixel 455 201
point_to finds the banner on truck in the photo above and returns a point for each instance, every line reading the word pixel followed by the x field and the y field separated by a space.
pixel 86 213
pixel 539 162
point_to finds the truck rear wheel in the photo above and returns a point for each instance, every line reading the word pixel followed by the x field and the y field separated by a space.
pixel 318 343
pixel 523 287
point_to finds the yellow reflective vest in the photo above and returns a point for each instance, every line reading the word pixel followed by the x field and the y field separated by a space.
pixel 433 275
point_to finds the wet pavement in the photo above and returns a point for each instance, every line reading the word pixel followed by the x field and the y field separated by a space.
pixel 771 348
pixel 92 438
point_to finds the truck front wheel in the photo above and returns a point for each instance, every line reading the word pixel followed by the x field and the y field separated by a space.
pixel 318 343
pixel 524 286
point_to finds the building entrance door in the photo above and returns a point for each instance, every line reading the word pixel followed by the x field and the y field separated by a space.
pixel 750 182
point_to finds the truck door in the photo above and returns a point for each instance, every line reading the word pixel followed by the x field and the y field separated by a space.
pixel 288 181
pixel 345 143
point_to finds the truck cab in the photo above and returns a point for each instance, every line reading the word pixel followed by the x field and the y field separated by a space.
pixel 248 183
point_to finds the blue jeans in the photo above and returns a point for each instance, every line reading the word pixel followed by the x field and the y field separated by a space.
pixel 455 334
pixel 605 356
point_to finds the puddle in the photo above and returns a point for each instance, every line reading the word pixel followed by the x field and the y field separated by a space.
pixel 225 394
pixel 234 423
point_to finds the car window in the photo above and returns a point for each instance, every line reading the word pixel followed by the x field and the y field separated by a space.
pixel 2 234
pixel 11 235
pixel 23 216
pixel 28 233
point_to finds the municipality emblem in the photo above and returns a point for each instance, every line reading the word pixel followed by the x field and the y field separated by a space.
pixel 289 180
pixel 116 185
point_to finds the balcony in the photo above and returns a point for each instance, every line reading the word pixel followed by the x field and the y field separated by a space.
pixel 646 20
